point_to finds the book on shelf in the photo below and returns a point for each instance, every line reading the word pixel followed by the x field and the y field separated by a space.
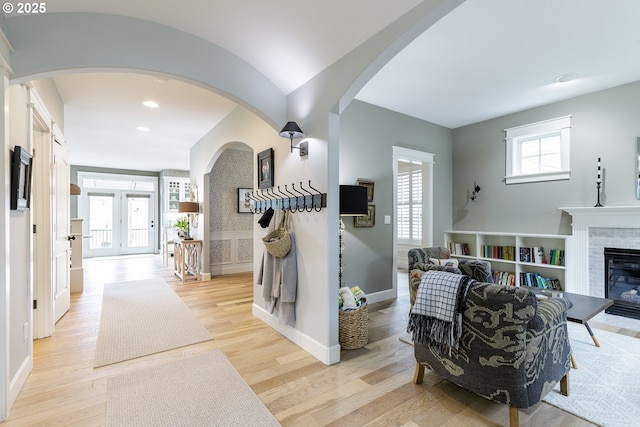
pixel 535 280
pixel 507 253
pixel 556 257
pixel 459 248
pixel 533 254
pixel 504 278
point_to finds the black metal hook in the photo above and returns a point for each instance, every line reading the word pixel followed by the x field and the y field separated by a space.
pixel 318 206
pixel 311 194
pixel 287 198
pixel 300 206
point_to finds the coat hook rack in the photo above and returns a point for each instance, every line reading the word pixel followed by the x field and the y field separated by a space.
pixel 274 197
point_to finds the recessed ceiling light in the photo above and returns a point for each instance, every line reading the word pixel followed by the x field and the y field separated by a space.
pixel 565 78
pixel 150 104
pixel 143 129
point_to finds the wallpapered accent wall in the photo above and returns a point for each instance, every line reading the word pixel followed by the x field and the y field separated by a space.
pixel 230 230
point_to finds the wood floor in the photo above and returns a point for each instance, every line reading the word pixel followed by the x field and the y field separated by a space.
pixel 371 386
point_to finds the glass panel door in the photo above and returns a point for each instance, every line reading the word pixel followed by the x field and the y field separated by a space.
pixel 138 223
pixel 101 209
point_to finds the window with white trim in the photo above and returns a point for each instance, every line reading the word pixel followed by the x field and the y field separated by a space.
pixel 409 202
pixel 538 151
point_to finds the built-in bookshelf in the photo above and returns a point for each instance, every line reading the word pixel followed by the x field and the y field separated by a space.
pixel 516 259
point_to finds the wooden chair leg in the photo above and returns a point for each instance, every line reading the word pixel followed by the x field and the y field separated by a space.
pixel 564 385
pixel 513 417
pixel 574 365
pixel 418 375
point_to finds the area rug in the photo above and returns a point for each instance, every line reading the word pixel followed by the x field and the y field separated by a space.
pixel 143 317
pixel 204 390
pixel 605 389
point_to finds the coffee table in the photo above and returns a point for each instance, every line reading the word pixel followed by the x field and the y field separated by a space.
pixel 583 308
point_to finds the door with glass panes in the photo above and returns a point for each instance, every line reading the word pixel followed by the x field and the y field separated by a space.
pixel 120 222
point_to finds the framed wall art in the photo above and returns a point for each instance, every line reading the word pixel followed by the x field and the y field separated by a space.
pixel 265 168
pixel 370 186
pixel 21 163
pixel 244 203
pixel 368 220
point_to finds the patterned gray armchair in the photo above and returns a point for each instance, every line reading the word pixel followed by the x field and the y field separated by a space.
pixel 419 263
pixel 513 349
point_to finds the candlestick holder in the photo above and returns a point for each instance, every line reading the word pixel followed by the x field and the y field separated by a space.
pixel 598 205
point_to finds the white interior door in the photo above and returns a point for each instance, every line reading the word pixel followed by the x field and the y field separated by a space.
pixel 61 231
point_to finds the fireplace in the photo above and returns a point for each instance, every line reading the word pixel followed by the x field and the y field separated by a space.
pixel 622 281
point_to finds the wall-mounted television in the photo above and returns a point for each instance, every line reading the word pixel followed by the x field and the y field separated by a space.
pixel 21 162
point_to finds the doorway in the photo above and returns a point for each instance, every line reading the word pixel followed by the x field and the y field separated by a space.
pixel 412 202
pixel 120 213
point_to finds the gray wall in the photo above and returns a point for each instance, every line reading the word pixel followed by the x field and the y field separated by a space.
pixel 604 124
pixel 367 135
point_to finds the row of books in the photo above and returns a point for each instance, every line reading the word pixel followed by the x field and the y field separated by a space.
pixel 526 279
pixel 537 281
pixel 535 255
pixel 507 253
pixel 459 248
pixel 556 257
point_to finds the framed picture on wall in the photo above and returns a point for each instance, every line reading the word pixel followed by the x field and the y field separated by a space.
pixel 370 186
pixel 368 220
pixel 21 179
pixel 244 203
pixel 265 168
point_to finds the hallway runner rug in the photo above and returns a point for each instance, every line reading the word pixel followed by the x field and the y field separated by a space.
pixel 143 317
pixel 605 388
pixel 203 390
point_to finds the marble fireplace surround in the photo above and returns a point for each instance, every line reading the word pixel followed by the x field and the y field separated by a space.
pixel 593 229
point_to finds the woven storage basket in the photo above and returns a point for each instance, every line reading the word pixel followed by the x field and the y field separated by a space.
pixel 353 328
pixel 278 242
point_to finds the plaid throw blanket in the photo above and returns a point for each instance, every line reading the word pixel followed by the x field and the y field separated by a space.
pixel 436 316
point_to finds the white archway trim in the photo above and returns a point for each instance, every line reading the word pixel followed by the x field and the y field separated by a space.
pixel 110 42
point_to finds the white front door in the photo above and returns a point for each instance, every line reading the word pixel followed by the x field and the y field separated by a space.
pixel 61 231
pixel 138 224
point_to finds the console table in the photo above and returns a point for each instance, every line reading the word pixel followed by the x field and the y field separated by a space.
pixel 187 256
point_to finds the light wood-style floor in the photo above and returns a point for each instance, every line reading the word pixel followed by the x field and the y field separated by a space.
pixel 370 386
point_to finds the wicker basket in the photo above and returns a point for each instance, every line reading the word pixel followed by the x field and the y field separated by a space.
pixel 353 328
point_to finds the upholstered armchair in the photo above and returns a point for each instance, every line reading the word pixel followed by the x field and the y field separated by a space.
pixel 513 348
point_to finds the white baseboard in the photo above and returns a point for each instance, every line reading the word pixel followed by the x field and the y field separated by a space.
pixel 17 382
pixel 217 269
pixel 381 296
pixel 327 355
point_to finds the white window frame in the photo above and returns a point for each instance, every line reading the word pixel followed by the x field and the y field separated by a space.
pixel 513 136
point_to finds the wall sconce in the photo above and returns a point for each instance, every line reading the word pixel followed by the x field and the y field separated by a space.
pixel 474 193
pixel 292 130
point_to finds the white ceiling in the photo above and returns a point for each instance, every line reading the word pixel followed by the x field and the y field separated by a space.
pixel 485 59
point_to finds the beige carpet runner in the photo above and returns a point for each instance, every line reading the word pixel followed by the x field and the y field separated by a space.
pixel 203 390
pixel 143 317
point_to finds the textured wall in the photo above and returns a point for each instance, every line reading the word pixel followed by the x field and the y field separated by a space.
pixel 232 170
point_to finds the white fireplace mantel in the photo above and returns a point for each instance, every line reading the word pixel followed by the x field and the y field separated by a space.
pixel 605 216
pixel 583 218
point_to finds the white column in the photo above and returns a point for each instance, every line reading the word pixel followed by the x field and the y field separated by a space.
pixel 577 280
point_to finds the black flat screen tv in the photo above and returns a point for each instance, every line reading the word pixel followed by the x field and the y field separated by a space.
pixel 21 162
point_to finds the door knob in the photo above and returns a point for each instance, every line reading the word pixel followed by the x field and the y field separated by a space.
pixel 71 237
